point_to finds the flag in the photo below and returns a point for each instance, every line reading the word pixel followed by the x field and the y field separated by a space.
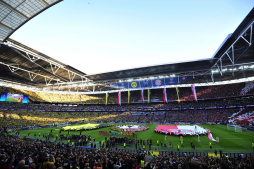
pixel 106 98
pixel 177 91
pixel 165 95
pixel 142 96
pixel 194 92
pixel 129 96
pixel 119 97
pixel 148 92
pixel 210 136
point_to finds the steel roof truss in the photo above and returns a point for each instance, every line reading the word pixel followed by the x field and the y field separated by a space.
pixel 54 71
pixel 246 40
pixel 47 80
pixel 42 58
pixel 13 68
pixel 251 34
pixel 232 46
pixel 232 55
pixel 32 59
pixel 212 77
pixel 220 67
pixel 71 75
pixel 32 76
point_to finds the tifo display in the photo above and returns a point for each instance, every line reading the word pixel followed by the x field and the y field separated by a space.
pixel 88 126
pixel 181 129
pixel 10 97
pixel 132 127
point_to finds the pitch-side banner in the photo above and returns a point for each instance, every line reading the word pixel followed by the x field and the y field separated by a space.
pixel 150 83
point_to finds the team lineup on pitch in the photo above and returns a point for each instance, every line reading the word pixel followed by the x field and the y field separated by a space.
pixel 229 140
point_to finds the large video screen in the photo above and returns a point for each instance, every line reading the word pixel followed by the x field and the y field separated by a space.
pixel 10 97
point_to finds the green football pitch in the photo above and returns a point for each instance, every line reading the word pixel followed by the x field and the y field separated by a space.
pixel 230 141
pixel 10 99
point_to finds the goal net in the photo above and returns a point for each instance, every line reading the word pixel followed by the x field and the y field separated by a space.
pixel 231 127
pixel 238 128
pixel 235 128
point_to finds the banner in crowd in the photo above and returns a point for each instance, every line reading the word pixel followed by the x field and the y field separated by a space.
pixel 148 93
pixel 129 96
pixel 119 97
pixel 10 97
pixel 150 83
pixel 165 95
pixel 142 95
pixel 106 98
pixel 177 91
pixel 194 92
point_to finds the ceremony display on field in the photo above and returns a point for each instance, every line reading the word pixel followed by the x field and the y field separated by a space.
pixel 181 129
pixel 88 126
pixel 131 127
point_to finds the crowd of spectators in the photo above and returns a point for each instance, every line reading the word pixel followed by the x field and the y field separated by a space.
pixel 25 154
pixel 188 162
pixel 185 94
pixel 226 103
pixel 185 116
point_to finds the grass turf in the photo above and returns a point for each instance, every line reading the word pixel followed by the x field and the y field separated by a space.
pixel 230 141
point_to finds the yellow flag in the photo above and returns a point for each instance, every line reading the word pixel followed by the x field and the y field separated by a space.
pixel 129 96
pixel 177 91
pixel 148 95
pixel 106 98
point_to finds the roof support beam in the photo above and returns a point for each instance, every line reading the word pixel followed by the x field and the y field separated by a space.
pixel 14 68
pixel 44 2
pixel 35 55
pixel 232 46
pixel 43 69
pixel 251 34
pixel 5 26
pixel 14 9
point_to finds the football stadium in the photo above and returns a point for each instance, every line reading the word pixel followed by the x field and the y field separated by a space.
pixel 191 114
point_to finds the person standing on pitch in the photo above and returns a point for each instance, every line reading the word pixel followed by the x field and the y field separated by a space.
pixel 210 145
pixel 199 139
pixel 220 153
pixel 178 147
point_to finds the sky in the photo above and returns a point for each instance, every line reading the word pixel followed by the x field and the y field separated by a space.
pixel 97 36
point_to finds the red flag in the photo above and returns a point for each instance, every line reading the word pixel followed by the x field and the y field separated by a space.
pixel 142 95
pixel 119 97
pixel 194 92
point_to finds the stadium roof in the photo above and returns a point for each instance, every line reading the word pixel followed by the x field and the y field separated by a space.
pixel 20 63
pixel 243 53
pixel 15 13
pixel 233 60
pixel 155 70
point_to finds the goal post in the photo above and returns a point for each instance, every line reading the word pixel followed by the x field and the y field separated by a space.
pixel 236 128
pixel 231 127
